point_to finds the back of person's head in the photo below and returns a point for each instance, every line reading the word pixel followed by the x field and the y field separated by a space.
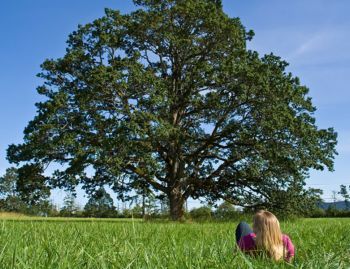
pixel 268 234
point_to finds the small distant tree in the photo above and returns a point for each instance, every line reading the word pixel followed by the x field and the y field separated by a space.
pixel 70 207
pixel 164 205
pixel 100 205
pixel 8 183
pixel 15 197
pixel 10 200
pixel 334 197
pixel 151 205
pixel 147 202
pixel 345 194
pixel 137 211
pixel 201 213
pixel 44 208
pixel 225 211
pixel 126 213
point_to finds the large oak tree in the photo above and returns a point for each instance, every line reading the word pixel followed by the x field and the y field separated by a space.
pixel 170 99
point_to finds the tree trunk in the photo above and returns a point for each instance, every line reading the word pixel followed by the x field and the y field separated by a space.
pixel 143 206
pixel 176 205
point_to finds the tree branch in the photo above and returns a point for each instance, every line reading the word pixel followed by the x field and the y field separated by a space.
pixel 138 171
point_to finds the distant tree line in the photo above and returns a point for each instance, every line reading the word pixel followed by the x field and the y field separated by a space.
pixel 99 205
pixel 295 201
pixel 336 208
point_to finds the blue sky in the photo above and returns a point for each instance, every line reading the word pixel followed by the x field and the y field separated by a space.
pixel 313 36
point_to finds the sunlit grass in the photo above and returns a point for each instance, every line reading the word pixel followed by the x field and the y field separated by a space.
pixel 23 217
pixel 320 243
pixel 12 215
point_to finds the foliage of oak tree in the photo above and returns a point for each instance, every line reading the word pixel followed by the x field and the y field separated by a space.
pixel 169 98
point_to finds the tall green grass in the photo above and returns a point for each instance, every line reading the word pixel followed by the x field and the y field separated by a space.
pixel 320 243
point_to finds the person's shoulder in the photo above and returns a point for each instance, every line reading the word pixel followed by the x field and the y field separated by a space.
pixel 285 237
pixel 287 242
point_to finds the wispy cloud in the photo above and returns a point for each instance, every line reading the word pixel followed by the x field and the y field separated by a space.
pixel 317 42
pixel 325 45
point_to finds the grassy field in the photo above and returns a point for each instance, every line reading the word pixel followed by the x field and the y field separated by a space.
pixel 68 243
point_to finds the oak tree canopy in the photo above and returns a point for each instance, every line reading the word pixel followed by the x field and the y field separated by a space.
pixel 169 98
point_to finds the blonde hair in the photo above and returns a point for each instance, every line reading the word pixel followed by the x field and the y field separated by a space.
pixel 268 234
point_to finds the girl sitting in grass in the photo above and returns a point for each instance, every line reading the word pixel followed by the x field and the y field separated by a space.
pixel 266 237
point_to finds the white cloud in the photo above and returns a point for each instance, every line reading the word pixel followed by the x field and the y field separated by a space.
pixel 322 47
pixel 317 42
pixel 303 47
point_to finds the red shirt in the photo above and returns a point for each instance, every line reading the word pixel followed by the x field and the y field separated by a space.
pixel 247 243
